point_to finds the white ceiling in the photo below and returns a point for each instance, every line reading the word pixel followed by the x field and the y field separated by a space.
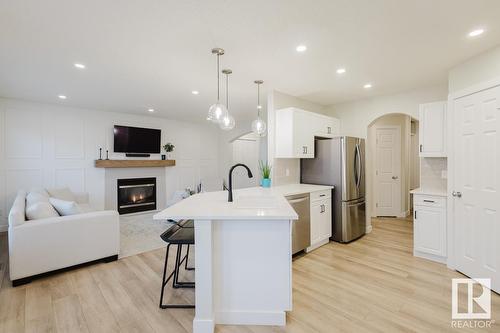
pixel 153 53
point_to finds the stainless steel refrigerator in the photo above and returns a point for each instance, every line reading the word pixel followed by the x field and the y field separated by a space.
pixel 341 162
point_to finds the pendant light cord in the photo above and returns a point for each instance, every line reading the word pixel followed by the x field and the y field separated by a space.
pixel 218 79
pixel 258 100
pixel 227 91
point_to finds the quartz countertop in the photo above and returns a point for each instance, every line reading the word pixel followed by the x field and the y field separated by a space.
pixel 255 203
pixel 429 191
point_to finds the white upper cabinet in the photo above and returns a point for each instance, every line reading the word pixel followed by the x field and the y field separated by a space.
pixel 324 126
pixel 296 129
pixel 432 133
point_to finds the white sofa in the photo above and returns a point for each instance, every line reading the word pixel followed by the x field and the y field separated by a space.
pixel 45 245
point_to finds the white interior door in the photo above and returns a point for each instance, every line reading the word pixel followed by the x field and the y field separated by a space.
pixel 388 171
pixel 476 176
pixel 245 151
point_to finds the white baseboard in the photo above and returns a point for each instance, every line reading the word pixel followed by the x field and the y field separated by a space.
pixel 274 318
pixel 404 214
pixel 368 229
pixel 318 244
pixel 429 256
pixel 203 325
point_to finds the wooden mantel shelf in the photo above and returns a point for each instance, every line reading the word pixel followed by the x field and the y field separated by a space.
pixel 134 163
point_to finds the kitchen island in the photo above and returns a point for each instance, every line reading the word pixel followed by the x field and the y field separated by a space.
pixel 243 257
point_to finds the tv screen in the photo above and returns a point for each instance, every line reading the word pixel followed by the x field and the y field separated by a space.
pixel 136 140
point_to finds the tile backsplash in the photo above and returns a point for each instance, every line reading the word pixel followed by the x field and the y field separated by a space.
pixel 433 173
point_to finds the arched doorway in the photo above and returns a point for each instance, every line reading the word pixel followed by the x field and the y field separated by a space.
pixel 393 167
pixel 246 149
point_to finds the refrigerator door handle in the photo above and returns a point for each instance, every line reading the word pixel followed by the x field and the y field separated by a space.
pixel 360 174
pixel 356 180
pixel 358 166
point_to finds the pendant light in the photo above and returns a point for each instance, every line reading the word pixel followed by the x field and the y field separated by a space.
pixel 217 111
pixel 227 122
pixel 259 125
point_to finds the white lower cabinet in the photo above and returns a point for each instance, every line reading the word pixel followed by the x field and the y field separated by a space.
pixel 321 218
pixel 429 227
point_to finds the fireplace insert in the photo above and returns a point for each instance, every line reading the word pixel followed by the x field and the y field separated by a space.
pixel 136 195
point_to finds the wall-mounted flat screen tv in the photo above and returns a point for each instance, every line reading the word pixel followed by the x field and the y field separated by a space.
pixel 136 140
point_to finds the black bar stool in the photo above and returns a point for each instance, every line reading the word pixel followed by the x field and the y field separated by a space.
pixel 186 224
pixel 176 235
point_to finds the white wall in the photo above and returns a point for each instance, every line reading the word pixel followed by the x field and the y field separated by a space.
pixel 49 145
pixel 356 116
pixel 479 69
pixel 285 170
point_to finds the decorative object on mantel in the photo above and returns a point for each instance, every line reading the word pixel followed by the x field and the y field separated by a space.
pixel 265 170
pixel 259 125
pixel 227 123
pixel 100 154
pixel 134 163
pixel 107 155
pixel 217 111
pixel 169 148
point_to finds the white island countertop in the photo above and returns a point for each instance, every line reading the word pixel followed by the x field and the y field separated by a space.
pixel 429 191
pixel 254 203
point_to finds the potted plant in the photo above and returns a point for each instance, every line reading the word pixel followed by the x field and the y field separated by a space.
pixel 265 171
pixel 169 148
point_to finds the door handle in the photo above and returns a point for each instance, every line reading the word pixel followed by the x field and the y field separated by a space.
pixel 394 177
pixel 456 194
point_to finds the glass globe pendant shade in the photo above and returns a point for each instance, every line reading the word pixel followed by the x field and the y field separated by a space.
pixel 259 127
pixel 227 123
pixel 217 112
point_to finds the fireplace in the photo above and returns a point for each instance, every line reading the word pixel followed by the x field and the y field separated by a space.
pixel 136 195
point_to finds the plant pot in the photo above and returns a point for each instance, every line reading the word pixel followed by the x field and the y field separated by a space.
pixel 170 156
pixel 265 182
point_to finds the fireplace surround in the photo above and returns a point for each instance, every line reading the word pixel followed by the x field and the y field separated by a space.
pixel 136 195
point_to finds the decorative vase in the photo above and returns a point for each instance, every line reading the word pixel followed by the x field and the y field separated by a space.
pixel 163 157
pixel 265 182
pixel 170 156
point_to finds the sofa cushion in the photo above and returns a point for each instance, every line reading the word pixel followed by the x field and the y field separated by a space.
pixel 65 208
pixel 35 197
pixel 63 193
pixel 40 210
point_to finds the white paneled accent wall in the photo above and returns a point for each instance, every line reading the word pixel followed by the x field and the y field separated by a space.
pixel 50 145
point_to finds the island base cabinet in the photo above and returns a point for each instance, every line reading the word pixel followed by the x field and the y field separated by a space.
pixel 429 225
pixel 243 273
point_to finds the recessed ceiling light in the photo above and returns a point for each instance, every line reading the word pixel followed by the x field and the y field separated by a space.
pixel 367 86
pixel 195 92
pixel 341 71
pixel 79 66
pixel 475 33
pixel 62 97
pixel 151 110
pixel 301 48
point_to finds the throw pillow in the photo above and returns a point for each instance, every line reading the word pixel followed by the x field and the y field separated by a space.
pixel 40 210
pixel 36 197
pixel 65 208
pixel 62 194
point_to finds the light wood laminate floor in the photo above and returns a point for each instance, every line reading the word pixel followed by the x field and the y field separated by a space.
pixel 371 285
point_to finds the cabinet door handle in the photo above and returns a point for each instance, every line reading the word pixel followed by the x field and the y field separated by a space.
pixel 432 201
pixel 421 146
pixel 415 215
pixel 322 195
pixel 322 208
pixel 329 130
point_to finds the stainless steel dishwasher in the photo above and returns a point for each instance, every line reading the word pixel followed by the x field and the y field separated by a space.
pixel 301 229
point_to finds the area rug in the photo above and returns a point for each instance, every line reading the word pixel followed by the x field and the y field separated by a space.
pixel 139 233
